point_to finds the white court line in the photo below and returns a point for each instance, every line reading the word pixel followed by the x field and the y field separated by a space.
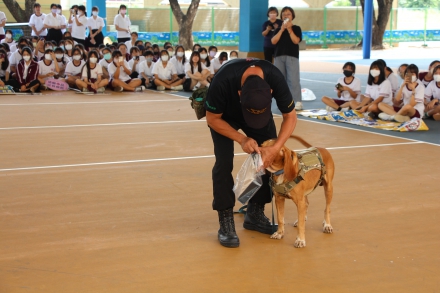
pixel 180 158
pixel 98 125
pixel 97 102
pixel 320 81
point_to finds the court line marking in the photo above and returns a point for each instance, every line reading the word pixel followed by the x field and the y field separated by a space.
pixel 182 158
pixel 320 81
pixel 97 102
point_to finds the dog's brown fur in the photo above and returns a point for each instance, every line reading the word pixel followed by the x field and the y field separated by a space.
pixel 305 187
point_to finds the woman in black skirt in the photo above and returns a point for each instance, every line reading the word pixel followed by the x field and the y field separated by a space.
pixel 54 23
pixel 95 24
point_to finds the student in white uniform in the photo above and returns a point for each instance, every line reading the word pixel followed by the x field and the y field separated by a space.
pixel 60 13
pixel 412 93
pixel 378 91
pixel 179 61
pixel 91 77
pixel 146 70
pixel 195 77
pixel 427 76
pixel 4 68
pixel 122 24
pixel 105 62
pixel 348 89
pixel 119 72
pixel 48 68
pixel 95 25
pixel 2 25
pixel 391 76
pixel 132 42
pixel 233 55
pixel 36 22
pixel 74 68
pixel 10 41
pixel 16 56
pixel 79 25
pixel 54 23
pixel 136 59
pixel 62 60
pixel 432 96
pixel 219 61
pixel 165 74
pixel 207 62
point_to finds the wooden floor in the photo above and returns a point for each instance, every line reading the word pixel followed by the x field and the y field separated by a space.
pixel 113 194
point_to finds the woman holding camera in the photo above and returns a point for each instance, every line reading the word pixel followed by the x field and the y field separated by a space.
pixel 54 23
pixel 268 30
pixel 79 24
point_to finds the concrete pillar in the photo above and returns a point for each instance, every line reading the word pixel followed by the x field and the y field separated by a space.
pixel 102 12
pixel 252 16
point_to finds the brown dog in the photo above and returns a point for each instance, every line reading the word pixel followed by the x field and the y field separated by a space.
pixel 319 170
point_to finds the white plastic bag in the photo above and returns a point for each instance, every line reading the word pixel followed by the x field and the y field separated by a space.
pixel 248 179
pixel 307 95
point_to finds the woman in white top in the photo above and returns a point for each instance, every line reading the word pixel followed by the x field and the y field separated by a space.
pixel 105 62
pixel 378 91
pixel 146 70
pixel 2 25
pixel 122 25
pixel 136 59
pixel 432 96
pixel 119 72
pixel 195 73
pixel 62 60
pixel 74 68
pixel 165 74
pixel 347 89
pixel 79 24
pixel 95 25
pixel 132 42
pixel 233 55
pixel 219 61
pixel 427 76
pixel 36 22
pixel 54 23
pixel 9 40
pixel 48 68
pixel 391 76
pixel 92 80
pixel 207 62
pixel 412 93
pixel 4 68
pixel 179 61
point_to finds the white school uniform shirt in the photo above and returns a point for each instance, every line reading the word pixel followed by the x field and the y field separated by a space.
pixel 15 58
pixel 62 65
pixel 196 69
pixel 392 78
pixel 128 45
pixel 210 68
pixel 131 62
pixel 104 63
pixel 26 69
pixel 94 73
pixel 38 22
pixel 216 63
pixel 164 72
pixel 95 24
pixel 3 72
pixel 432 91
pixel 180 68
pixel 122 75
pixel 12 45
pixel 147 70
pixel 51 20
pixel 355 86
pixel 419 97
pixel 72 69
pixel 122 22
pixel 2 17
pixel 64 22
pixel 79 31
pixel 384 90
pixel 44 69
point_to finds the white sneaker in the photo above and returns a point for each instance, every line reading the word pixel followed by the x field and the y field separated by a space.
pixel 401 118
pixel 85 90
pixel 139 88
pixel 299 106
pixel 100 90
pixel 160 88
pixel 177 88
pixel 195 88
pixel 345 109
pixel 386 117
pixel 328 108
pixel 118 89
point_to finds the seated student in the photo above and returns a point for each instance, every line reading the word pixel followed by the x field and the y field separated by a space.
pixel 378 91
pixel 119 72
pixel 156 52
pixel 219 61
pixel 179 61
pixel 170 50
pixel 401 70
pixel 48 68
pixel 146 70
pixel 212 52
pixel 123 50
pixel 16 56
pixel 5 47
pixel 74 68
pixel 132 41
pixel 233 55
pixel 147 44
pixel 27 73
pixel 105 62
pixel 9 40
pixel 350 90
pixel 91 75
pixel 432 96
pixel 68 48
pixel 166 44
pixel 208 64
pixel 4 68
pixel 412 93
pixel 139 43
pixel 41 48
pixel 196 47
pixel 195 77
pixel 391 76
pixel 165 74
pixel 136 59
pixel 83 51
pixel 62 60
pixel 427 76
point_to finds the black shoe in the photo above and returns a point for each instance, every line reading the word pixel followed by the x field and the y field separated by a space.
pixel 226 234
pixel 256 220
pixel 372 115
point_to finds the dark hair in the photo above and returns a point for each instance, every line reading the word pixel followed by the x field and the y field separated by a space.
pixel 87 65
pixel 116 53
pixel 73 53
pixel 59 49
pixel 148 53
pixel 385 65
pixel 102 46
pixel 74 6
pixel 134 33
pixel 199 63
pixel 223 56
pixel 52 5
pixel 67 32
pixel 26 49
pixel 183 57
pixel 233 51
pixel 47 51
pixel 404 64
pixel 59 6
pixel 134 49
pixel 5 47
pixel 83 9
pixel 146 43
pixel 433 62
pixel 122 44
pixel 9 31
pixel 287 8
pixel 122 6
pixel 435 69
pixel 5 63
pixel 164 51
pixel 166 44
pixel 208 62
pixel 413 69
pixel 381 67
pixel 83 50
pixel 36 4
pixel 95 8
pixel 196 45
pixel 272 9
pixel 106 48
pixel 139 43
pixel 351 64
pixel 212 47
pixel 169 46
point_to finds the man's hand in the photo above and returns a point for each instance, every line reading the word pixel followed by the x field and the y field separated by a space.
pixel 268 154
pixel 249 145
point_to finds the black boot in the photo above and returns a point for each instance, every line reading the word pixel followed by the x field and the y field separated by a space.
pixel 226 233
pixel 255 219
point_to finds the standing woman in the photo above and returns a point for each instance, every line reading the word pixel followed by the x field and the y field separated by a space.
pixel 122 25
pixel 2 25
pixel 36 22
pixel 79 25
pixel 27 73
pixel 54 23
pixel 269 28
pixel 286 42
pixel 95 24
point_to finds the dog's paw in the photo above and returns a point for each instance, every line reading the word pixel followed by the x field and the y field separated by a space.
pixel 327 228
pixel 276 235
pixel 299 243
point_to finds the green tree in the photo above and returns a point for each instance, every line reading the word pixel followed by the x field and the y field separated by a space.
pixel 185 21
pixel 380 22
pixel 419 4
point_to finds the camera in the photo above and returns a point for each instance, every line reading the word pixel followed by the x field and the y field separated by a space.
pixel 338 87
pixel 286 20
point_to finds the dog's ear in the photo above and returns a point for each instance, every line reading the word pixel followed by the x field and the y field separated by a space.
pixel 289 170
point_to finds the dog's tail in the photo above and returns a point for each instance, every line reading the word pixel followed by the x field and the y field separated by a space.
pixel 302 141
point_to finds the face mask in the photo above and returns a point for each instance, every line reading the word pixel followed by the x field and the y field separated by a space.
pixel 171 53
pixel 348 73
pixel 272 15
pixel 123 11
pixel 47 57
pixel 232 57
pixel 27 58
pixel 54 10
pixel 68 47
pixel 77 57
pixel 49 48
pixel 413 78
pixel 35 44
pixel 212 53
pixel 149 59
pixel 164 58
pixel 180 54
pixel 374 72
pixel 107 56
pixel 203 56
pixel 95 13
pixel 437 77
pixel 59 11
pixel 402 75
pixel 59 56
pixel 93 59
pixel 8 36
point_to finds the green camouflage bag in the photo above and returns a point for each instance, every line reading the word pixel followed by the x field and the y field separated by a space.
pixel 198 99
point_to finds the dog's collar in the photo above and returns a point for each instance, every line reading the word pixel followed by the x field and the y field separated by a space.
pixel 279 172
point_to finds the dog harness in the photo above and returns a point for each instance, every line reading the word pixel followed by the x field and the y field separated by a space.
pixel 309 159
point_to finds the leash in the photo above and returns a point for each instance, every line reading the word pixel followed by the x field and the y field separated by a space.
pixel 271 196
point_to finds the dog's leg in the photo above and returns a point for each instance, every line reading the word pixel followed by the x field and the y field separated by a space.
pixel 301 238
pixel 307 209
pixel 279 202
pixel 328 189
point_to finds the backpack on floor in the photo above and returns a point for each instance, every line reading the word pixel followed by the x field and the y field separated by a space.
pixel 198 99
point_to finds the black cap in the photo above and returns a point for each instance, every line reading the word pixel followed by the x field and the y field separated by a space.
pixel 256 100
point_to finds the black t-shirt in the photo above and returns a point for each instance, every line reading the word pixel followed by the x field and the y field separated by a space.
pixel 285 46
pixel 269 36
pixel 223 98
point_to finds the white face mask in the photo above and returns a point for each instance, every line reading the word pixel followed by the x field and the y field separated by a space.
pixel 54 10
pixel 437 77
pixel 374 72
pixel 149 59
pixel 47 57
pixel 95 13
pixel 171 53
pixel 180 54
pixel 76 57
pixel 272 15
pixel 123 11
pixel 35 44
pixel 68 47
pixel 93 59
pixel 59 56
pixel 120 59
pixel 413 78
pixel 164 58
pixel 8 36
pixel 27 58
pixel 212 53
pixel 49 48
pixel 232 57
pixel 59 11
pixel 203 56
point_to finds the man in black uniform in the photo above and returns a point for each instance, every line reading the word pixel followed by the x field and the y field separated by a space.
pixel 240 97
